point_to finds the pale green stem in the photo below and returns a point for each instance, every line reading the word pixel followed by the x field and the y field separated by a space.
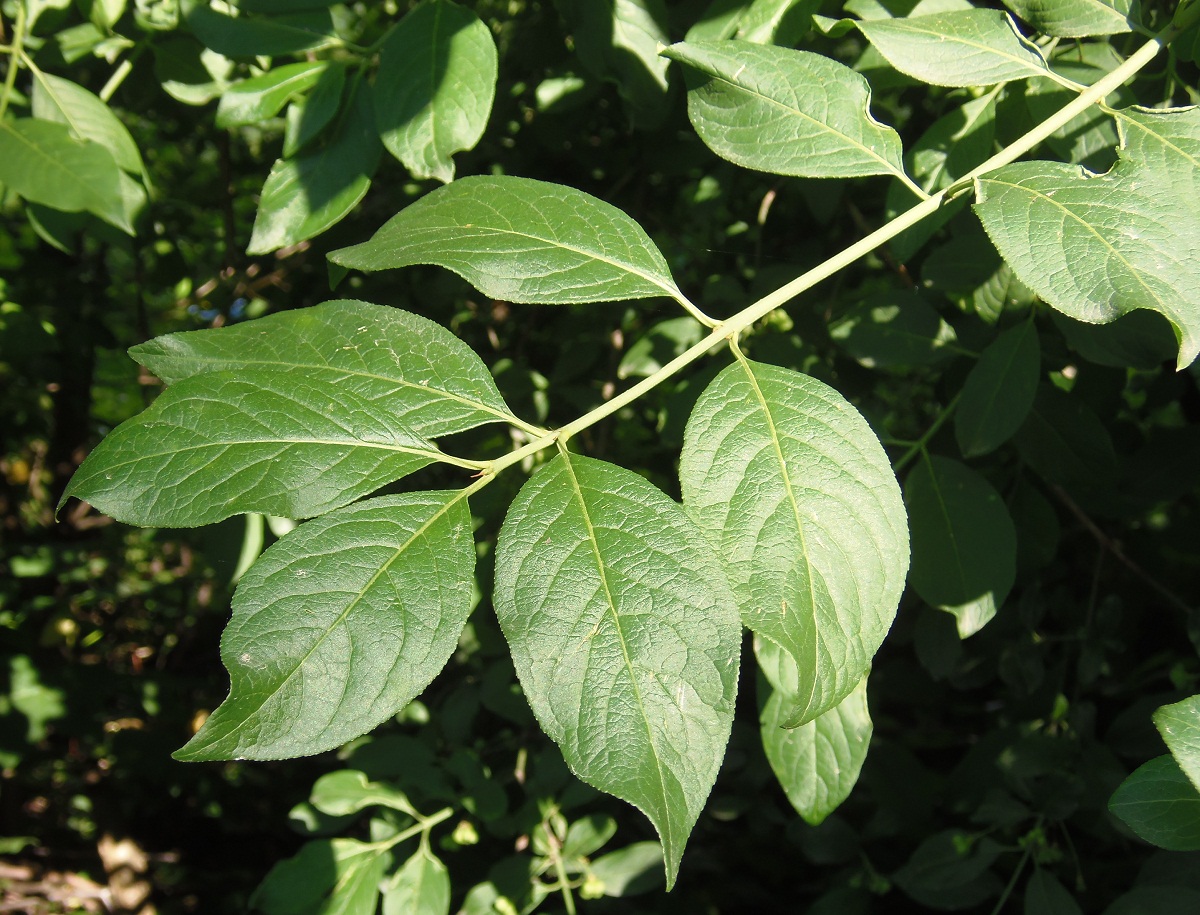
pixel 16 56
pixel 422 827
pixel 918 447
pixel 730 328
pixel 114 82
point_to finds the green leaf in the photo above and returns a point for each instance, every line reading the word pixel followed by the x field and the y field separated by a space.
pixel 797 496
pixel 326 877
pixel 1066 442
pixel 305 195
pixel 659 345
pixel 1044 895
pixel 951 870
pixel 618 41
pixel 963 542
pixel 999 391
pixel 780 22
pixel 435 86
pixel 60 100
pixel 785 112
pixel 1160 803
pixel 520 240
pixel 634 869
pixel 252 36
pixel 341 624
pixel 1099 246
pixel 420 887
pixel 1077 18
pixel 44 163
pixel 225 443
pixel 307 117
pixel 895 328
pixel 427 378
pixel 588 835
pixel 974 47
pixel 253 100
pixel 1179 725
pixel 349 791
pixel 625 637
pixel 818 763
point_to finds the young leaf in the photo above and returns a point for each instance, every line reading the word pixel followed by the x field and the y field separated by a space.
pixel 341 624
pixel 786 112
pixel 1077 18
pixel 1059 229
pixel 818 763
pixel 1160 804
pixel 973 47
pixel 267 36
pixel 225 443
pixel 306 195
pixel 258 98
pixel 964 543
pixel 798 499
pixel 44 163
pixel 427 378
pixel 434 88
pixel 420 887
pixel 58 99
pixel 326 876
pixel 999 391
pixel 625 637
pixel 618 40
pixel 348 791
pixel 1179 725
pixel 631 870
pixel 520 240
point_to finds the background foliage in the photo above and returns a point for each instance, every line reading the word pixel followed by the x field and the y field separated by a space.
pixel 1055 461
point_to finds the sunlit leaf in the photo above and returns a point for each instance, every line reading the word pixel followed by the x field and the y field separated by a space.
pixel 520 240
pixel 434 87
pixel 624 635
pixel 1179 725
pixel 1077 18
pixel 1099 246
pixel 420 887
pixel 786 112
pixel 1160 803
pixel 798 499
pixel 341 624
pixel 58 99
pixel 258 98
pixel 326 877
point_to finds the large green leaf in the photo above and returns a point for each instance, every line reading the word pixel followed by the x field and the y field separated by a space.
pixel 326 877
pixel 420 887
pixel 1099 246
pixel 1077 18
pixel 58 99
pixel 818 763
pixel 224 443
pixel 425 376
pixel 798 498
pixel 1179 725
pixel 341 624
pixel 305 195
pixel 1160 803
pixel 624 635
pixel 963 540
pixel 434 88
pixel 786 112
pixel 999 391
pixel 520 240
pixel 618 40
pixel 45 163
pixel 260 97
pixel 960 48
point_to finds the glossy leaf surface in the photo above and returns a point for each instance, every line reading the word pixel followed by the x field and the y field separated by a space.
pixel 785 112
pixel 434 88
pixel 1160 804
pixel 305 195
pixel 226 443
pixel 1077 18
pixel 999 391
pixel 341 624
pixel 427 378
pixel 624 635
pixel 798 498
pixel 975 47
pixel 520 240
pixel 1099 246
pixel 964 542
pixel 817 764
